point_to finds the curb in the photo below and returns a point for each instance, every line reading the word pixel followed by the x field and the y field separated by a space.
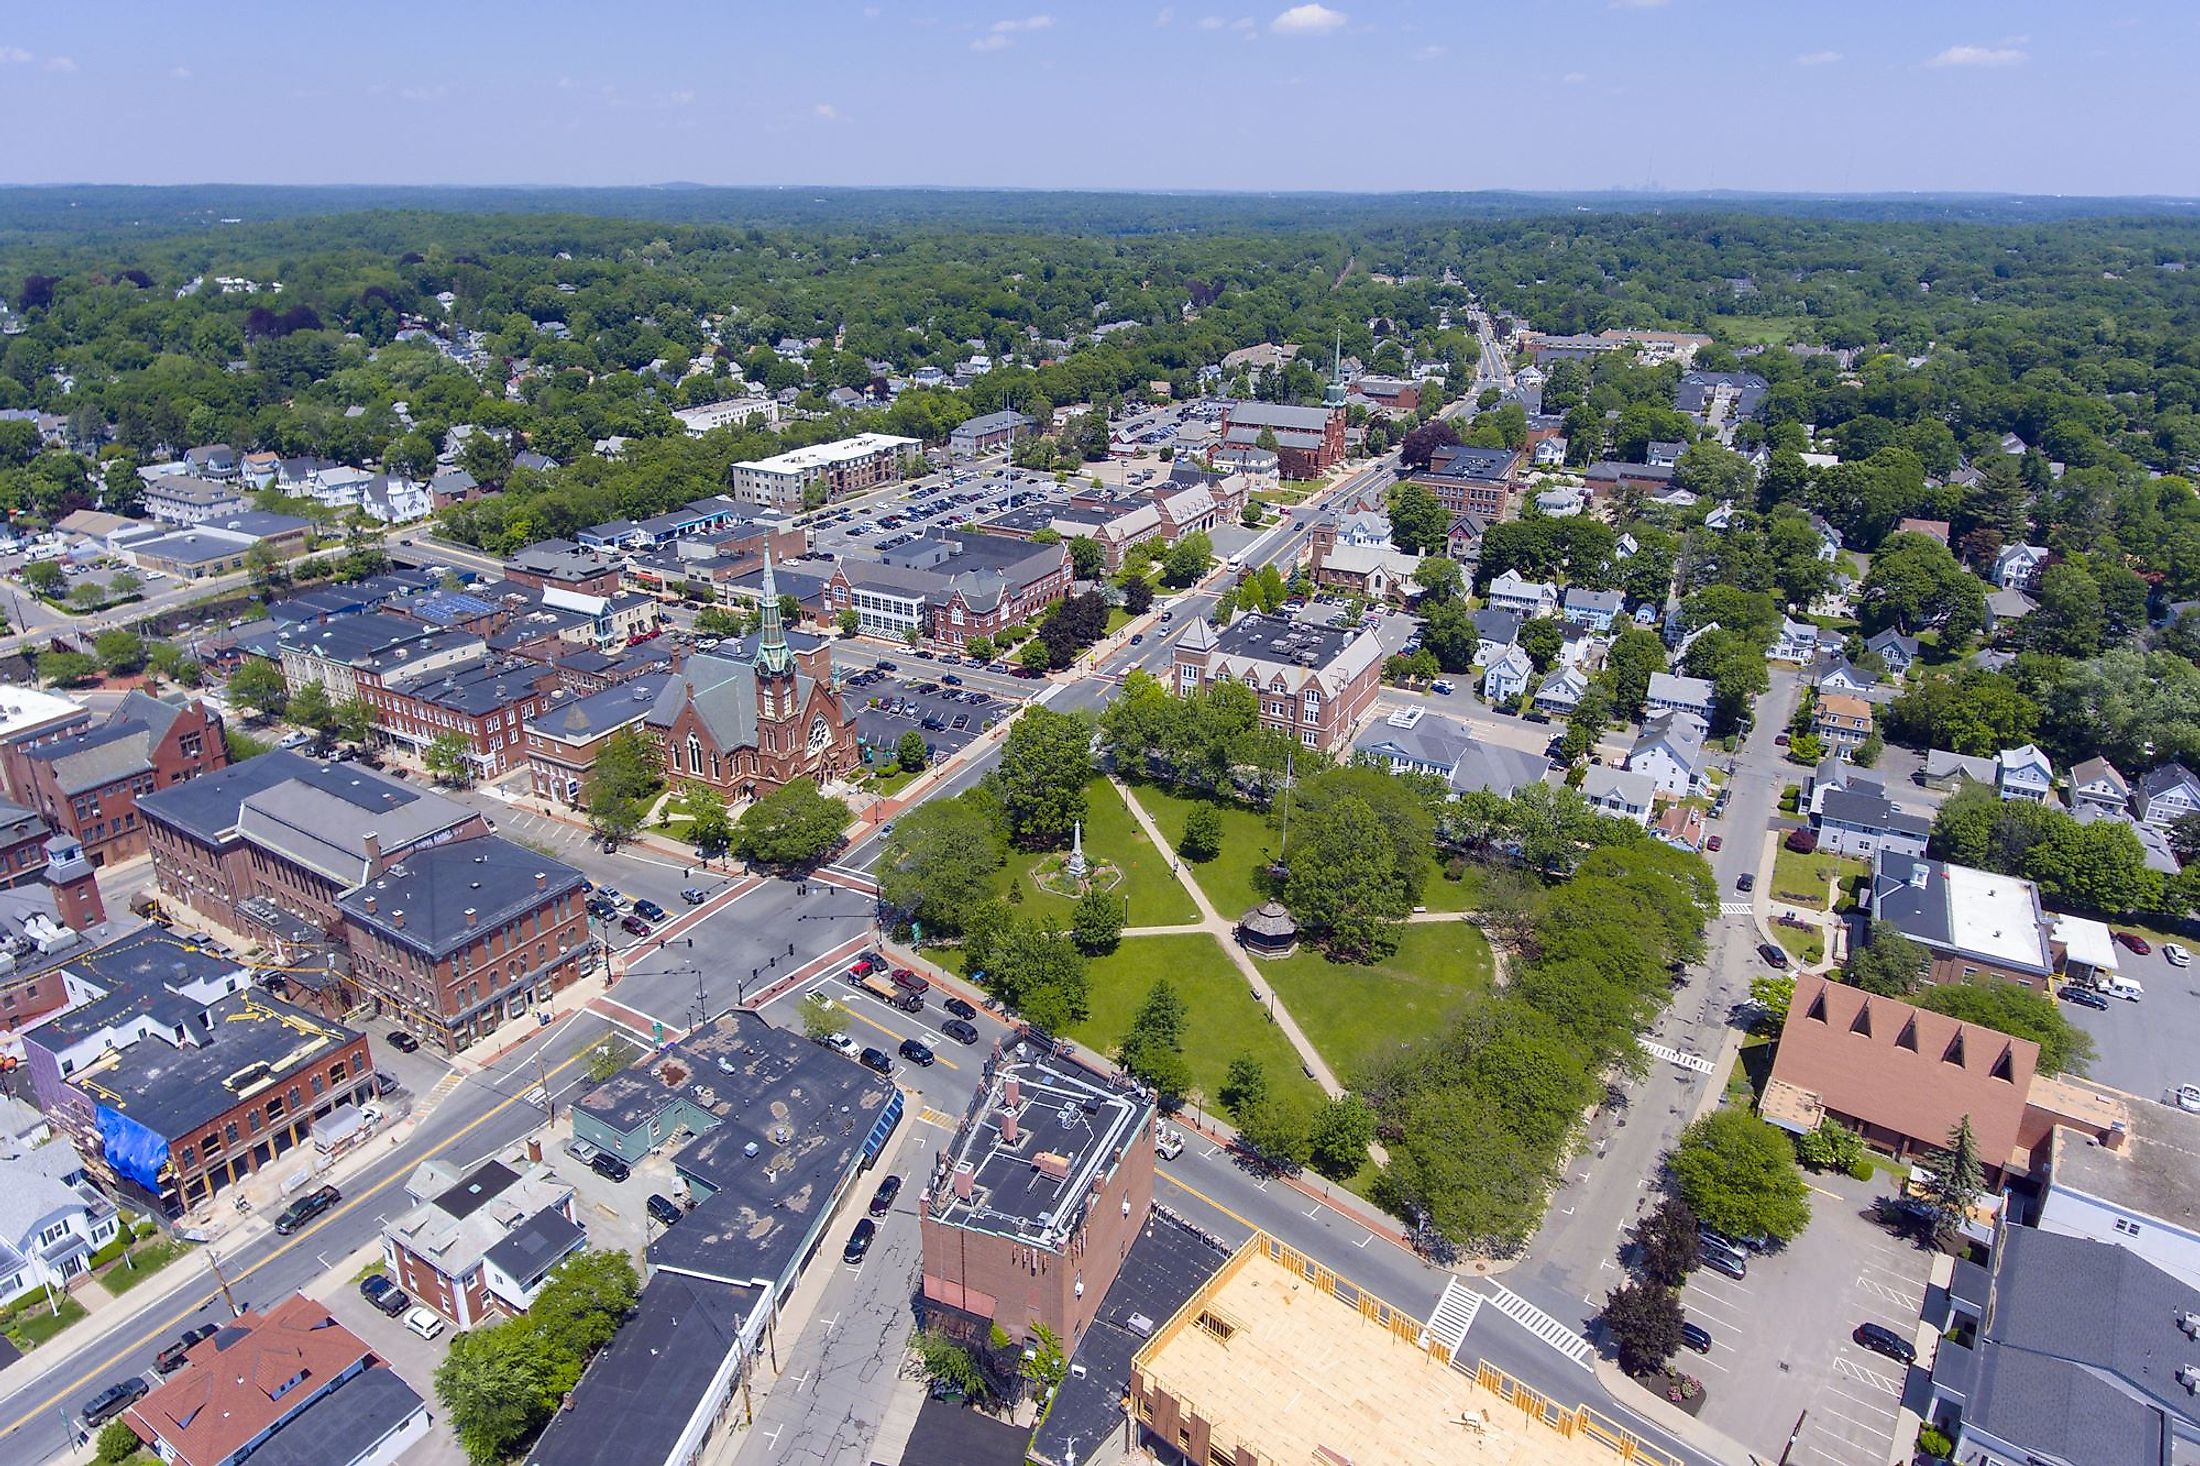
pixel 1669 1417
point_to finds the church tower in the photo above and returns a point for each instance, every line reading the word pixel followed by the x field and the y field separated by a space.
pixel 775 680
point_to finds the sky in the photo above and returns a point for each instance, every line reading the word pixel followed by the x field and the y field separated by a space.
pixel 1817 96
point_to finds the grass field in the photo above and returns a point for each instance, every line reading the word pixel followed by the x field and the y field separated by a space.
pixel 1231 880
pixel 1354 1013
pixel 1757 330
pixel 1224 1020
pixel 142 1262
pixel 1155 897
pixel 1801 880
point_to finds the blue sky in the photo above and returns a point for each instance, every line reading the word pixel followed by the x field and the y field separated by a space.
pixel 2081 96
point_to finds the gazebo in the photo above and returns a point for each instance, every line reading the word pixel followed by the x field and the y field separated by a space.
pixel 1268 931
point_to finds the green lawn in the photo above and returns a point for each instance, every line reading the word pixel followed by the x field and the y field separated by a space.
pixel 1805 946
pixel 1354 1013
pixel 142 1262
pixel 1800 880
pixel 891 782
pixel 1757 330
pixel 1224 1020
pixel 1232 880
pixel 33 1323
pixel 1155 897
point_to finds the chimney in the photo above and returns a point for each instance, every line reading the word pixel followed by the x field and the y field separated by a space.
pixel 397 919
pixel 534 1148
pixel 2116 1136
pixel 966 1180
pixel 373 843
pixel 470 915
pixel 370 905
pixel 1009 1128
pixel 542 881
pixel 1920 873
pixel 1012 1091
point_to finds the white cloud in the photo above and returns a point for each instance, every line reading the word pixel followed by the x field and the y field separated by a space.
pixel 682 99
pixel 1166 18
pixel 1212 22
pixel 1243 23
pixel 1307 20
pixel 1432 53
pixel 1028 23
pixel 991 43
pixel 180 73
pixel 17 56
pixel 60 63
pixel 826 112
pixel 1818 58
pixel 1575 78
pixel 2003 55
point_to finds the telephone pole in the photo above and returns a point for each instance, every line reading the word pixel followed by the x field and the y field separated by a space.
pixel 214 1261
pixel 542 1081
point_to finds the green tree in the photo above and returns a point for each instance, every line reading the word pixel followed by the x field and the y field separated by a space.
pixel 1187 560
pixel 580 1308
pixel 1419 525
pixel 1276 1131
pixel 1738 1174
pixel 1039 972
pixel 1339 1134
pixel 794 825
pixel 2009 1008
pixel 1034 656
pixel 1644 1322
pixel 46 577
pixel 980 647
pixel 1636 653
pixel 495 1387
pixel 265 565
pixel 1774 992
pixel 447 756
pixel 1954 1180
pixel 849 622
pixel 939 864
pixel 1138 595
pixel 1244 1086
pixel 911 753
pixel 822 1018
pixel 710 824
pixel 354 720
pixel 622 783
pixel 65 669
pixel 949 1363
pixel 117 1442
pixel 1833 1146
pixel 1666 1243
pixel 313 709
pixel 1088 561
pixel 1541 640
pixel 1202 834
pixel 119 651
pixel 1044 767
pixel 1153 1045
pixel 258 684
pixel 1438 578
pixel 1097 922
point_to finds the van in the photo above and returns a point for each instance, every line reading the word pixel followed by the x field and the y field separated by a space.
pixel 2131 990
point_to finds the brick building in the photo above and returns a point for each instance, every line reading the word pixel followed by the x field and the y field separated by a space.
pixel 1974 924
pixel 28 719
pixel 22 844
pixel 1308 440
pixel 564 739
pixel 486 701
pixel 803 478
pixel 1314 682
pixel 479 1246
pixel 1032 1205
pixel 951 588
pixel 1477 481
pixel 565 565
pixel 88 784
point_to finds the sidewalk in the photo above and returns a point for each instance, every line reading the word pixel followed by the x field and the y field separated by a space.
pixel 1669 1417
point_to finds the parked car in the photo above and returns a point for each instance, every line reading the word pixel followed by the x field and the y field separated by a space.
pixel 958 1007
pixel 693 897
pixel 1693 1335
pixel 613 895
pixel 580 1150
pixel 1722 1260
pixel 1774 954
pixel 663 1210
pixel 392 1300
pixel 305 1209
pixel 609 1166
pixel 1746 881
pixel 1780 740
pixel 373 1286
pixel 1713 843
pixel 402 1041
pixel 1880 1339
pixel 876 1059
pixel 170 1359
pixel 632 923
pixel 2133 941
pixel 2175 954
pixel 112 1401
pixel 2188 1097
pixel 2084 997
pixel 841 1043
pixel 384 1085
pixel 882 1200
pixel 649 909
pixel 425 1322
pixel 1442 687
pixel 916 1053
pixel 859 1241
pixel 961 1030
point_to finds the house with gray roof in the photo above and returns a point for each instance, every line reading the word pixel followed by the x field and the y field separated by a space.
pixel 1620 793
pixel 1595 609
pixel 1671 751
pixel 1671 693
pixel 1858 819
pixel 1945 770
pixel 2166 794
pixel 52 1219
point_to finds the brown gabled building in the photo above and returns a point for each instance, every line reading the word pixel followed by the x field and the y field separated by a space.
pixel 88 784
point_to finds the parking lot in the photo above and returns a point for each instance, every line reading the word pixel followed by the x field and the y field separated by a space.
pixel 412 1358
pixel 949 716
pixel 1781 1339
pixel 2146 1048
pixel 927 506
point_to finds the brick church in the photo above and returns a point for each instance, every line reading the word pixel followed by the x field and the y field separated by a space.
pixel 747 727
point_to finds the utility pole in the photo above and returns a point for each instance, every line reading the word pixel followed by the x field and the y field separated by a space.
pixel 214 1261
pixel 542 1081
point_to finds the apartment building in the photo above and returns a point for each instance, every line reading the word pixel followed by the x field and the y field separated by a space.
pixel 803 478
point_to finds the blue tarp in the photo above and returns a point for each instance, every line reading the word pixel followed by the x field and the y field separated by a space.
pixel 132 1150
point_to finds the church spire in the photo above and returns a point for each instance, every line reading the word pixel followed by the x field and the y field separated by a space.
pixel 771 643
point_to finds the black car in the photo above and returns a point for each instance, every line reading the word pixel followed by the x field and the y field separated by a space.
pixel 882 1200
pixel 662 1209
pixel 1774 955
pixel 859 1241
pixel 601 909
pixel 1880 1339
pixel 2084 997
pixel 170 1359
pixel 373 1286
pixel 1693 1335
pixel 112 1401
pixel 876 1059
pixel 609 1166
pixel 958 1008
pixel 961 1030
pixel 1745 882
pixel 402 1041
pixel 916 1053
pixel 650 909
pixel 392 1301
pixel 305 1209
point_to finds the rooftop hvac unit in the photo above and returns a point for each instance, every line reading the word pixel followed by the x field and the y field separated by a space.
pixel 2190 1323
pixel 2189 1377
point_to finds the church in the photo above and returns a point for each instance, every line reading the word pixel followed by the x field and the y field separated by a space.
pixel 747 727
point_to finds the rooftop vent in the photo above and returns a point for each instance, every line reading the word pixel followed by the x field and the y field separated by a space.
pixel 2189 1322
pixel 751 1150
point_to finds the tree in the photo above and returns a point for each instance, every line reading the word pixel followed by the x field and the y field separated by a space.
pixel 1339 1134
pixel 1038 971
pixel 1203 833
pixel 1187 559
pixel 258 684
pixel 266 567
pixel 1088 561
pixel 1773 993
pixel 1153 1045
pixel 1138 596
pixel 2009 1008
pixel 448 755
pixel 1276 1132
pixel 313 709
pixel 119 651
pixel 65 669
pixel 710 825
pixel 495 1387
pixel 1344 884
pixel 354 720
pixel 1438 578
pixel 794 825
pixel 980 647
pixel 1739 1175
pixel 1644 1321
pixel 1419 525
pixel 117 1442
pixel 1420 445
pixel 46 577
pixel 1044 767
pixel 1915 584
pixel 1098 921
pixel 1541 640
pixel 939 863
pixel 1954 1179
pixel 1034 656
pixel 822 1018
pixel 911 753
pixel 1244 1086
pixel 622 783
pixel 1666 1243
pixel 849 622
pixel 1832 1146
pixel 949 1363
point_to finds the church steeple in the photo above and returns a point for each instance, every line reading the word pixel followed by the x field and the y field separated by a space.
pixel 1333 395
pixel 772 655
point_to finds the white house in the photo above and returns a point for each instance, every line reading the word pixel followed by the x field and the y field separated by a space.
pixel 1594 609
pixel 1530 598
pixel 2166 793
pixel 2024 773
pixel 1561 692
pixel 2018 567
pixel 1721 517
pixel 1670 752
pixel 392 499
pixel 1507 677
pixel 1842 675
pixel 1797 642
pixel 1829 539
pixel 51 1219
pixel 2096 784
pixel 1494 634
pixel 1620 792
pixel 1669 693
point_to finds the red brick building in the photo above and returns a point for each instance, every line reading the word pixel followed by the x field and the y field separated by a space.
pixel 1308 440
pixel 88 784
pixel 951 589
pixel 486 701
pixel 1315 682
pixel 30 719
pixel 1476 481
pixel 477 1247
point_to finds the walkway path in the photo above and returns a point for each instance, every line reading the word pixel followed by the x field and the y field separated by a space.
pixel 1224 931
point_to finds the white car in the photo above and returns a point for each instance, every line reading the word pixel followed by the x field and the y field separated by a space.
pixel 425 1322
pixel 2177 955
pixel 844 1044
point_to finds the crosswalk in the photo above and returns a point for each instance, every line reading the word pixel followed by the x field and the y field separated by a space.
pixel 1670 1055
pixel 1541 1324
pixel 1736 908
pixel 1454 1314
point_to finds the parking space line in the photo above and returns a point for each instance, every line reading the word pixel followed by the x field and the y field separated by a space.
pixel 1886 1428
pixel 1865 1376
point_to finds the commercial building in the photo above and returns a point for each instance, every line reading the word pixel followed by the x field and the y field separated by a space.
pixel 485 700
pixel 455 938
pixel 175 1076
pixel 289 1386
pixel 1467 480
pixel 995 430
pixel 2130 1177
pixel 564 740
pixel 1315 682
pixel 22 844
pixel 734 412
pixel 89 784
pixel 1034 1202
pixel 803 478
pixel 1307 441
pixel 478 1246
pixel 1976 925
pixel 221 544
pixel 951 588
pixel 29 718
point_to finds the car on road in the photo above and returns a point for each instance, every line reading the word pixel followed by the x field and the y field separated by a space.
pixel 1780 741
pixel 2084 997
pixel 2133 941
pixel 1774 954
pixel 959 1008
pixel 693 897
pixel 402 1041
pixel 2187 1097
pixel 911 981
pixel 425 1322
pixel 649 909
pixel 632 923
pixel 613 895
pixel 2175 954
pixel 170 1359
pixel 916 1052
pixel 1138 638
pixel 1693 1335
pixel 859 1241
pixel 882 1200
pixel 663 1210
pixel 961 1030
pixel 305 1209
pixel 841 1043
pixel 1880 1339
pixel 1746 881
pixel 112 1401
pixel 580 1150
pixel 609 1166
pixel 875 1059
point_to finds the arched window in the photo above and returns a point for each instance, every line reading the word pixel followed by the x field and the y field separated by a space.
pixel 695 754
pixel 821 734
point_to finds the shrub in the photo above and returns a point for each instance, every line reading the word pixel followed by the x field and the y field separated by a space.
pixel 1933 1443
pixel 1803 842
pixel 111 1251
pixel 1860 1169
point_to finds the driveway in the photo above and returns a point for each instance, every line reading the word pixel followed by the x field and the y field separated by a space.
pixel 412 1358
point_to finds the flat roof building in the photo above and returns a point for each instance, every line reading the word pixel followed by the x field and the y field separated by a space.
pixel 1975 923
pixel 806 477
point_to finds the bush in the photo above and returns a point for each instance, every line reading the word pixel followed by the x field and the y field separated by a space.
pixel 1933 1443
pixel 1860 1169
pixel 1803 842
pixel 111 1251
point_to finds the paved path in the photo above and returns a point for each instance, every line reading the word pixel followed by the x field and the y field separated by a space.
pixel 1225 932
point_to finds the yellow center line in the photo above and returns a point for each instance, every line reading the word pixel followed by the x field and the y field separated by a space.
pixel 882 1028
pixel 1203 1196
pixel 141 1340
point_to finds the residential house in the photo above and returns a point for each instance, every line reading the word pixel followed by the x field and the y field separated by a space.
pixel 1463 541
pixel 1721 517
pixel 52 1219
pixel 1548 453
pixel 2167 793
pixel 1670 750
pixel 478 1246
pixel 1495 632
pixel 1899 652
pixel 2024 773
pixel 2005 608
pixel 989 433
pixel 1514 592
pixel 1797 642
pixel 183 498
pixel 1858 819
pixel 1830 543
pixel 1680 826
pixel 1946 771
pixel 1843 676
pixel 1932 529
pixel 1620 792
pixel 2018 567
pixel 1670 693
pixel 2095 784
pixel 1595 609
pixel 1505 679
pixel 1974 923
pixel 1842 721
pixel 1561 692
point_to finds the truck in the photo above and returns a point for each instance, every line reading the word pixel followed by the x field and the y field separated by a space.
pixel 1168 1144
pixel 879 986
